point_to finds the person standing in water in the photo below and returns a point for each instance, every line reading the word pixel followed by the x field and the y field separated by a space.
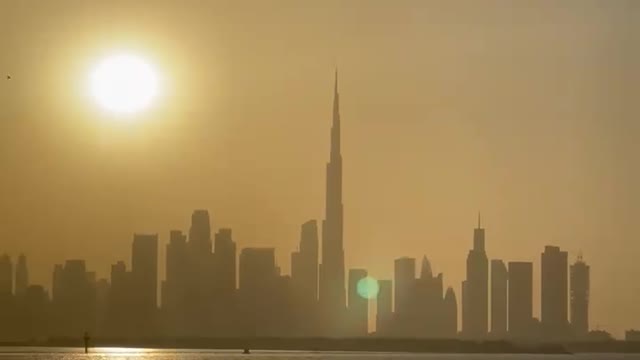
pixel 86 342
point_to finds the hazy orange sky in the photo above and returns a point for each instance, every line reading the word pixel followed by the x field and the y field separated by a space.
pixel 526 111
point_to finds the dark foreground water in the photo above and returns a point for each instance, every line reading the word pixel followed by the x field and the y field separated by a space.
pixel 142 354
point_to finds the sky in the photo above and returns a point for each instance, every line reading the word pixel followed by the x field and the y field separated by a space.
pixel 525 111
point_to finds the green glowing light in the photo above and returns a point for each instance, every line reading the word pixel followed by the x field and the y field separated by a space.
pixel 368 287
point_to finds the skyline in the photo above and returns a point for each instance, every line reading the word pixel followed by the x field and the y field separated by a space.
pixel 206 286
pixel 447 114
pixel 130 303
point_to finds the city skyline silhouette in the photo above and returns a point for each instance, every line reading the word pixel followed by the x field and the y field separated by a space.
pixel 212 290
pixel 446 110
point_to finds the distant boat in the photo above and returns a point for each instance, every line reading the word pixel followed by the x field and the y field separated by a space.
pixel 246 351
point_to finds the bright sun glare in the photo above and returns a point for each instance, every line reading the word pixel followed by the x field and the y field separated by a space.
pixel 124 84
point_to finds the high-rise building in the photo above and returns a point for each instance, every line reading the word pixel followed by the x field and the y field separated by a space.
pixel 404 280
pixel 22 276
pixel 555 293
pixel 477 288
pixel 332 273
pixel 428 302
pixel 464 291
pixel 35 303
pixel 404 296
pixel 177 272
pixel 304 279
pixel 384 304
pixel 144 277
pixel 200 286
pixel 304 264
pixel 499 280
pixel 200 232
pixel 580 298
pixel 258 276
pixel 6 275
pixel 56 282
pixel 144 269
pixel 357 304
pixel 224 284
pixel 225 262
pixel 75 300
pixel 520 299
pixel 450 314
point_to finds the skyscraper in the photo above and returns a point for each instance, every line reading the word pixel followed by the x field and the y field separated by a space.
pixel 304 279
pixel 144 268
pixel 499 278
pixel 580 298
pixel 225 262
pixel 332 274
pixel 450 314
pixel 404 278
pixel 120 313
pixel 357 304
pixel 144 275
pixel 56 282
pixel 224 283
pixel 200 285
pixel 200 232
pixel 74 305
pixel 258 284
pixel 384 304
pixel 428 302
pixel 404 295
pixel 177 271
pixel 476 289
pixel 555 293
pixel 22 275
pixel 6 275
pixel 304 263
pixel 520 299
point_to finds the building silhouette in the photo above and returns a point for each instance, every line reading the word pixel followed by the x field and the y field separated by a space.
pixel 22 276
pixel 384 308
pixel 358 309
pixel 499 282
pixel 176 285
pixel 304 279
pixel 554 293
pixel 224 283
pixel 580 298
pixel 74 300
pixel 120 320
pixel 475 317
pixel 428 302
pixel 6 275
pixel 144 277
pixel 34 315
pixel 450 314
pixel 405 281
pixel 258 276
pixel 201 269
pixel 332 269
pixel 520 300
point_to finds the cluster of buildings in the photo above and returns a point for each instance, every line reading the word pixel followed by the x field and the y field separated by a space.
pixel 211 290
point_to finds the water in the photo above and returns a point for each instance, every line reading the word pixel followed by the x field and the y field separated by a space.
pixel 151 354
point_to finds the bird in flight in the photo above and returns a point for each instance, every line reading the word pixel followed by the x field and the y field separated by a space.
pixel 8 77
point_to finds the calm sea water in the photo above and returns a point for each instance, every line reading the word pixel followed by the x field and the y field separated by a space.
pixel 123 354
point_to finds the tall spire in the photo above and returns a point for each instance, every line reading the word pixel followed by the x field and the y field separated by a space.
pixel 335 131
pixel 332 272
pixel 479 221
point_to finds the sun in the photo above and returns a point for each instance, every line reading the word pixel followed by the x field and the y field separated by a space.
pixel 124 84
